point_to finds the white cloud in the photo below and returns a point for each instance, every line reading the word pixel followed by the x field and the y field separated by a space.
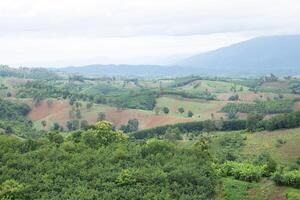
pixel 78 32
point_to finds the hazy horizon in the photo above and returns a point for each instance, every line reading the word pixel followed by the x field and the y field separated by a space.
pixel 72 33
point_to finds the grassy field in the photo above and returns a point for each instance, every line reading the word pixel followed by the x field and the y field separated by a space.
pixel 201 109
pixel 212 86
pixel 265 189
pixel 268 142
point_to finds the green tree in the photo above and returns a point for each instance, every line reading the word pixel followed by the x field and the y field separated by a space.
pixel 102 134
pixel 253 122
pixel 101 116
pixel 181 110
pixel 166 110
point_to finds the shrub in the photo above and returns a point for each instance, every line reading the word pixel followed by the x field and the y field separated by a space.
pixel 289 178
pixel 242 171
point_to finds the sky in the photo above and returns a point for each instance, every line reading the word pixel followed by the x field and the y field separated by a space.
pixel 56 33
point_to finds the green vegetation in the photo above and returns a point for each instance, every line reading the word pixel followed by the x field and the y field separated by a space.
pixel 264 107
pixel 242 152
pixel 101 164
pixel 30 73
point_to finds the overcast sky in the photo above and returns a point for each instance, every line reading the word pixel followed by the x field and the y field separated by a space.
pixel 77 32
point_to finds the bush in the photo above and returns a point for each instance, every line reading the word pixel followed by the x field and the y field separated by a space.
pixel 242 171
pixel 289 178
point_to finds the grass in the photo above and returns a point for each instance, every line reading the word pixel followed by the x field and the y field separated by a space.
pixel 287 153
pixel 201 109
pixel 211 86
pixel 265 189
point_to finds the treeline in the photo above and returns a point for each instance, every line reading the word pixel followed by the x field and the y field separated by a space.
pixel 13 111
pixel 263 107
pixel 208 126
pixel 30 73
pixel 254 122
pixel 182 81
pixel 120 98
pixel 198 95
pixel 102 164
pixel 294 85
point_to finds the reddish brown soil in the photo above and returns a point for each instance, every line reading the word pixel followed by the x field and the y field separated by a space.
pixel 146 120
pixel 57 109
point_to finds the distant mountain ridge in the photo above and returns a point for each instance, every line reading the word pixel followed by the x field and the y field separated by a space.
pixel 124 70
pixel 277 54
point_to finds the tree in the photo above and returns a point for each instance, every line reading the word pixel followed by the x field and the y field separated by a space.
pixel 231 115
pixel 173 134
pixel 89 105
pixel 234 98
pixel 8 94
pixel 166 110
pixel 181 110
pixel 253 122
pixel 56 126
pixel 132 125
pixel 102 134
pixel 190 114
pixel 44 123
pixel 84 124
pixel 157 110
pixel 101 116
pixel 73 125
pixel 78 114
pixel 56 138
pixel 49 103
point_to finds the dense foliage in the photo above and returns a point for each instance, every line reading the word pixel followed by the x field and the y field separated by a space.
pixel 13 119
pixel 207 126
pixel 242 171
pixel 94 165
pixel 287 178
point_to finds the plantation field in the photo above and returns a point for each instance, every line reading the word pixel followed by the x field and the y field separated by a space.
pixel 212 86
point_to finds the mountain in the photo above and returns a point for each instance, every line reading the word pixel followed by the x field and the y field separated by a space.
pixel 272 54
pixel 127 70
pixel 279 55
